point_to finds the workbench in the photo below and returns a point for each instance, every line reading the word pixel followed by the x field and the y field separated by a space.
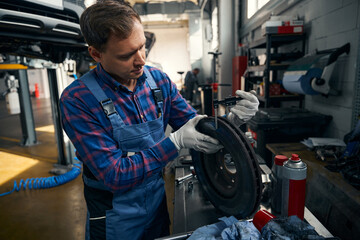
pixel 192 210
pixel 328 196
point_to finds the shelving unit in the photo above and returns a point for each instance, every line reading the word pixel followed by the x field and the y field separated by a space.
pixel 271 42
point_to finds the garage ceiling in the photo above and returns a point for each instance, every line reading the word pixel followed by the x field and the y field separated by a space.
pixel 164 13
pixel 161 13
pixel 132 2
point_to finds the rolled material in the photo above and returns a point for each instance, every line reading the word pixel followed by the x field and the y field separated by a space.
pixel 300 81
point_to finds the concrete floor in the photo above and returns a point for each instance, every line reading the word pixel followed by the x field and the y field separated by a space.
pixel 55 213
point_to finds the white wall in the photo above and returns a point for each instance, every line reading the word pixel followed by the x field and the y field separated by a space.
pixel 195 39
pixel 171 51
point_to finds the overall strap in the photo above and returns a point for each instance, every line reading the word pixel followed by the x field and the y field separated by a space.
pixel 106 103
pixel 157 93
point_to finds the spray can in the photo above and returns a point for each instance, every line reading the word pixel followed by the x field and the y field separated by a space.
pixel 276 183
pixel 293 187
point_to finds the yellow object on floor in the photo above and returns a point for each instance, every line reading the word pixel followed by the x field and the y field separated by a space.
pixel 48 128
pixel 12 165
pixel 10 139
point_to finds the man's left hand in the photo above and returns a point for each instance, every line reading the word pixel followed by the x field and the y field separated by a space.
pixel 244 109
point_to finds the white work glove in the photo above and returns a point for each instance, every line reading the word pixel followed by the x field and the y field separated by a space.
pixel 244 109
pixel 188 137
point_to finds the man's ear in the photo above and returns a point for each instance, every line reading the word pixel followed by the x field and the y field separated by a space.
pixel 95 54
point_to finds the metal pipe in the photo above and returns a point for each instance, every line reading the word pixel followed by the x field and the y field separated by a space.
pixel 181 179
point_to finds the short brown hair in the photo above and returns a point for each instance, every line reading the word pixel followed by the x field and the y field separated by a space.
pixel 107 17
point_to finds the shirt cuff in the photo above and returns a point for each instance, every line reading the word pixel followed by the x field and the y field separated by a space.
pixel 166 150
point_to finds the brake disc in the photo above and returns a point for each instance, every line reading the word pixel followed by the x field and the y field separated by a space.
pixel 230 178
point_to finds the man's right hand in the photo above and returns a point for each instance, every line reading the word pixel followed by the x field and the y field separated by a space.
pixel 188 137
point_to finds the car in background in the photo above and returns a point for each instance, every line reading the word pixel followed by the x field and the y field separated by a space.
pixel 42 29
pixel 48 30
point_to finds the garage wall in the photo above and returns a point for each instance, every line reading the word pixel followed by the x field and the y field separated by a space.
pixel 328 24
pixel 171 52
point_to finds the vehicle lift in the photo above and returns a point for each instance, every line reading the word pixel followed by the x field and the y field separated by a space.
pixel 66 152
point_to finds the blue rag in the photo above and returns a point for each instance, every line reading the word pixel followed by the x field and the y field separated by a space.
pixel 241 230
pixel 229 228
pixel 284 228
pixel 289 228
pixel 213 231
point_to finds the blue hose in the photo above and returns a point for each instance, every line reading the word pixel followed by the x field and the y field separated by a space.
pixel 47 182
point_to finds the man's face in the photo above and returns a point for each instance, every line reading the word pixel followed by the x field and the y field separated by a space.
pixel 123 59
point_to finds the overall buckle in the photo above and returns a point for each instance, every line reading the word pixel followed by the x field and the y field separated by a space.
pixel 157 93
pixel 108 107
pixel 158 97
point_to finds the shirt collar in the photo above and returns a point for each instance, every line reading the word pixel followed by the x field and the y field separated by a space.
pixel 107 79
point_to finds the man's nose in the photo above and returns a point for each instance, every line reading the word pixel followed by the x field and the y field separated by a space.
pixel 140 58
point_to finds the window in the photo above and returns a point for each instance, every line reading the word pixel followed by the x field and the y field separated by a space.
pixel 254 5
pixel 215 29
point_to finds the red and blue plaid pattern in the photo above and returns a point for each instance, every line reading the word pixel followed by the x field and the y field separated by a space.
pixel 90 130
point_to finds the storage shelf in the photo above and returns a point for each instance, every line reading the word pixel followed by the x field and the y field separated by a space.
pixel 288 97
pixel 260 68
pixel 275 62
pixel 277 40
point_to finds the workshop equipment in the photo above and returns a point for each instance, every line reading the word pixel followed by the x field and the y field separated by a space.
pixel 250 138
pixel 276 183
pixel 21 85
pixel 230 178
pixel 348 164
pixel 47 182
pixel 206 98
pixel 308 76
pixel 12 95
pixel 227 102
pixel 182 179
pixel 293 187
pixel 239 65
pixel 276 125
pixel 214 61
pixel 182 84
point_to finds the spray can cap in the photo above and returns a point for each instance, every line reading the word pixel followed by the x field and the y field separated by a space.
pixel 295 157
pixel 280 159
pixel 261 218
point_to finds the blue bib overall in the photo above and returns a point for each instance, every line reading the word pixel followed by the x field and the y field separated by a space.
pixel 141 212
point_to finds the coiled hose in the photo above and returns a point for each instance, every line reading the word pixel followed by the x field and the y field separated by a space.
pixel 47 182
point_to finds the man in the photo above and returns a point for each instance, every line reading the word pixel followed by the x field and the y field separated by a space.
pixel 190 82
pixel 116 115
